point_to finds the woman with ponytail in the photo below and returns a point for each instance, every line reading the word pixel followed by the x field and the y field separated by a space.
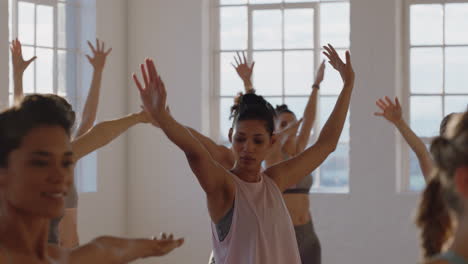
pixel 443 210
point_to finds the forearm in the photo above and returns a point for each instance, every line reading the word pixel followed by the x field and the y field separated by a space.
pixel 308 121
pixel 102 134
pixel 331 131
pixel 91 105
pixel 217 152
pixel 418 146
pixel 248 86
pixel 18 87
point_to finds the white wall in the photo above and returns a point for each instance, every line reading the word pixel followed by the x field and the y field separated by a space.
pixel 372 224
pixel 105 212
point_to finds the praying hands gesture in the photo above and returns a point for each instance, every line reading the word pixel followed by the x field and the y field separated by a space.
pixel 244 71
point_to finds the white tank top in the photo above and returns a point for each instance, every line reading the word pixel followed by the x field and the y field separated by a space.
pixel 261 231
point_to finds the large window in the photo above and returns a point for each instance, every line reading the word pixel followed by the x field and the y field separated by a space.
pixel 284 38
pixel 437 70
pixel 53 30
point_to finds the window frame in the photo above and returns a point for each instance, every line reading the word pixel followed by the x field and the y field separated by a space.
pixel 405 94
pixel 216 51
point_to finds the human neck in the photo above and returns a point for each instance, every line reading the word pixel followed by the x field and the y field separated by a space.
pixel 247 174
pixel 460 241
pixel 23 233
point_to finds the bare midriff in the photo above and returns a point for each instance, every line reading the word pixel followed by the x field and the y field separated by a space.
pixel 298 206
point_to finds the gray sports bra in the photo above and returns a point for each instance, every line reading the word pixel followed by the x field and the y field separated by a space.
pixel 304 186
pixel 452 258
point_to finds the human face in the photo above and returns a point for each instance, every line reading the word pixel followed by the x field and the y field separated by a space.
pixel 39 173
pixel 250 143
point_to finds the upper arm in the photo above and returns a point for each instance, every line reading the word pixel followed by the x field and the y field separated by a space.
pixel 291 171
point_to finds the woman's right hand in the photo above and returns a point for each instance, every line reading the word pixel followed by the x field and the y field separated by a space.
pixel 244 70
pixel 153 93
pixel 19 64
pixel 390 110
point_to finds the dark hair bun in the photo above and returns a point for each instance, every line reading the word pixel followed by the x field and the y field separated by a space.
pixel 280 109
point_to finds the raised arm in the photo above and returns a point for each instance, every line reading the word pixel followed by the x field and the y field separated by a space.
pixel 276 155
pixel 244 71
pixel 90 109
pixel 391 111
pixel 291 171
pixel 213 178
pixel 310 111
pixel 104 132
pixel 19 66
pixel 113 250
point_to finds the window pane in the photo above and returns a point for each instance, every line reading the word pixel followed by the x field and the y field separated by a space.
pixel 45 76
pixel 332 82
pixel 45 26
pixel 297 105
pixel 334 171
pixel 66 22
pixel 299 28
pixel 264 1
pixel 455 104
pixel 456 23
pixel 417 181
pixel 267 29
pixel 28 77
pixel 327 104
pixel 233 28
pixel 268 73
pixel 299 72
pixel 232 2
pixel 426 115
pixel 10 20
pixel 426 24
pixel 66 79
pixel 26 18
pixel 231 83
pixel 456 70
pixel 335 24
pixel 426 70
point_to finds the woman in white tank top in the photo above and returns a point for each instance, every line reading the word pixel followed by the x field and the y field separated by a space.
pixel 261 230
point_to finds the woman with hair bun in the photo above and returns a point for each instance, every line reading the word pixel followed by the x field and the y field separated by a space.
pixel 250 221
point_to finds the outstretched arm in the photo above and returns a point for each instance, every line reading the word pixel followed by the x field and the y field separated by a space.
pixel 244 71
pixel 291 171
pixel 276 155
pixel 19 66
pixel 213 178
pixel 104 132
pixel 310 111
pixel 391 111
pixel 98 62
pixel 113 250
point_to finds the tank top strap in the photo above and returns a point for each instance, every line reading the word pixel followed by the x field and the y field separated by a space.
pixel 452 258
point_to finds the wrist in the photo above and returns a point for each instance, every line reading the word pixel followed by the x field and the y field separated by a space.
pixel 316 86
pixel 400 122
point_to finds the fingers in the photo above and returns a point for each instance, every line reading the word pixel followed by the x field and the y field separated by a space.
pixel 153 74
pixel 397 102
pixel 253 64
pixel 237 62
pixel 389 102
pixel 348 58
pixel 89 59
pixel 137 82
pixel 31 60
pixel 91 47
pixel 239 57
pixel 145 75
pixel 108 51
pixel 380 105
pixel 98 45
pixel 243 55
